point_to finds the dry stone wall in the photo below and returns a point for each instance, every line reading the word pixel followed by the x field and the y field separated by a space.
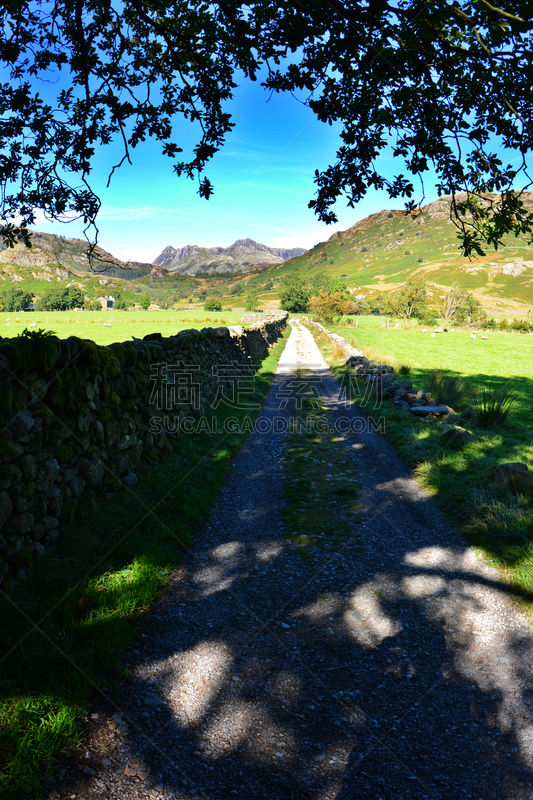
pixel 76 419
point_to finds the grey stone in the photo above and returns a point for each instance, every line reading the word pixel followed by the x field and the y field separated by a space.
pixel 468 416
pixel 130 480
pixel 451 419
pixel 22 523
pixel 48 472
pixel 455 437
pixel 84 421
pixel 54 499
pixel 69 474
pixel 29 467
pixel 38 389
pixel 9 475
pixel 95 472
pixel 423 411
pixel 126 442
pixel 112 430
pixel 77 485
pixel 98 430
pixel 22 423
pixel 90 390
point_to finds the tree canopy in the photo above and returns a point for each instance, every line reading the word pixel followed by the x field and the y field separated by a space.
pixel 446 84
pixel 295 291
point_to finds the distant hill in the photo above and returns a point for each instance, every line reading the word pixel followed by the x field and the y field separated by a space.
pixel 71 254
pixel 382 250
pixel 239 257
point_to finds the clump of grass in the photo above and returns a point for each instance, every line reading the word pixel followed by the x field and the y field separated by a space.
pixel 501 519
pixel 492 408
pixel 449 390
pixel 404 369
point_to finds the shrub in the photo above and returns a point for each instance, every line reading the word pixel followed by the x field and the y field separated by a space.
pixel 449 390
pixel 14 299
pixel 212 304
pixel 252 301
pixel 521 325
pixel 404 369
pixel 493 407
pixel 62 299
pixel 328 306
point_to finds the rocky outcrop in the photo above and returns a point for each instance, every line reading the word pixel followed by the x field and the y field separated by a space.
pixel 78 421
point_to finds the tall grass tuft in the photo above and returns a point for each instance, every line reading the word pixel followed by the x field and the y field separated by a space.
pixel 493 407
pixel 404 369
pixel 449 390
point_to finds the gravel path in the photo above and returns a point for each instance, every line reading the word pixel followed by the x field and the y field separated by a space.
pixel 399 669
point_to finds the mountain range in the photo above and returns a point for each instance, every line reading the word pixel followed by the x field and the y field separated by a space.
pixel 241 256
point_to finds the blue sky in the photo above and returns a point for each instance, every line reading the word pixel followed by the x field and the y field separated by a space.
pixel 263 180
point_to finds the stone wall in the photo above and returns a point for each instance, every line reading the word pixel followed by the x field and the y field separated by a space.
pixel 260 317
pixel 75 419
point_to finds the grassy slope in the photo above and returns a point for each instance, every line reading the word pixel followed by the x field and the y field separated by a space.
pixel 498 522
pixel 63 632
pixel 384 249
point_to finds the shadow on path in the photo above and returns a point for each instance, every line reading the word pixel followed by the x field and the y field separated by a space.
pixel 395 669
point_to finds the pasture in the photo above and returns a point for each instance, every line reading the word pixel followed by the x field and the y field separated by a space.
pixel 122 324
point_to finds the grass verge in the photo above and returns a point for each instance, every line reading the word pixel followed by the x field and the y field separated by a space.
pixel 64 631
pixel 499 523
pixel 320 492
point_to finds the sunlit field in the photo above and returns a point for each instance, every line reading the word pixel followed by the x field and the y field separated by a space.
pixel 123 325
pixel 500 355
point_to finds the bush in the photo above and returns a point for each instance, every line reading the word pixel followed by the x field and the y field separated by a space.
pixel 62 299
pixel 212 304
pixel 14 300
pixel 121 304
pixel 252 301
pixel 521 325
pixel 328 306
pixel 449 390
pixel 492 408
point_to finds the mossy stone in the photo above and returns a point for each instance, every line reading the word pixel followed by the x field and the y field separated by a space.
pixel 9 475
pixel 64 453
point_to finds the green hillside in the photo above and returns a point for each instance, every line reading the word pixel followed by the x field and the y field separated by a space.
pixel 383 250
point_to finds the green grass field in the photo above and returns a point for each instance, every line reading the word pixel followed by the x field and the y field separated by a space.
pixel 123 324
